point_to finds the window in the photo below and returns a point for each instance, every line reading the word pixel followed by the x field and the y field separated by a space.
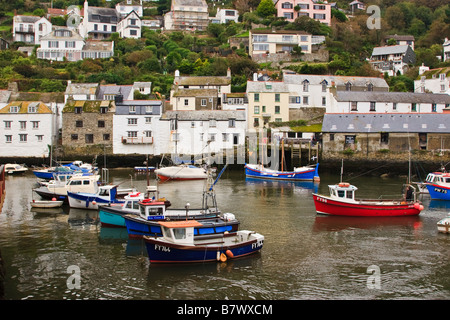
pixel 132 134
pixel 305 86
pixel 78 110
pixel 101 123
pixel 212 137
pixel 259 38
pixel 394 106
pixel 148 109
pixel 224 137
pixel 370 87
pixel 40 137
pixel 103 110
pixel 14 109
pixel 148 119
pixel 256 109
pixel 305 100
pixel 261 47
pixel 372 106
pixel 319 16
pixel 212 123
pixel 331 136
pixel 288 15
pixel 324 86
pixel 132 121
pixel 35 124
pixel 203 102
pixel 132 109
pixel 8 138
pixel 106 137
pixel 324 101
pixel 354 106
pixel 32 109
pixel 70 44
pixel 74 137
pixel 148 134
pixel 53 44
pixel 350 139
pixel 23 137
pixel 256 97
pixel 231 123
pixel 286 5
pixel 433 107
pixel 348 86
pixel 89 138
pixel 7 124
pixel 256 122
pixel 79 124
pixel 263 109
pixel 23 125
pixel 192 124
pixel 414 107
pixel 277 109
pixel 186 102
pixel 133 32
pixel 277 97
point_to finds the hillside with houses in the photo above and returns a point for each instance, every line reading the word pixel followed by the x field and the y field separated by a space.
pixel 196 77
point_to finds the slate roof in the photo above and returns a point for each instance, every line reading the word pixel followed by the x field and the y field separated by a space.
pixel 202 81
pixel 205 115
pixel 267 86
pixel 26 19
pixel 397 97
pixel 338 80
pixel 386 122
pixel 387 50
pixel 124 90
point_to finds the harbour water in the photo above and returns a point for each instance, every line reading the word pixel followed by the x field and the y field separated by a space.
pixel 305 256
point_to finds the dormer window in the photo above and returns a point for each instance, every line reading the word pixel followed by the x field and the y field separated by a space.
pixel 305 86
pixel 348 86
pixel 324 84
pixel 14 109
pixel 370 87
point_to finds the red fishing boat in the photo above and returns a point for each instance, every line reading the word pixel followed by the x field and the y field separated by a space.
pixel 342 202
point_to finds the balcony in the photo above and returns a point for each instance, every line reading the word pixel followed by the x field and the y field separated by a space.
pixel 136 140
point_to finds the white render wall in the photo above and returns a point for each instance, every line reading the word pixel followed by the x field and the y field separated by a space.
pixel 32 147
pixel 383 107
pixel 194 136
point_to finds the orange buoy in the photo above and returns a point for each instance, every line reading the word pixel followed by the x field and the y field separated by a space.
pixel 223 257
pixel 229 254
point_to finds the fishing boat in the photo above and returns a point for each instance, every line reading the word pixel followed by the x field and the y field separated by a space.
pixel 181 172
pixel 342 202
pixel 112 214
pixel 60 185
pixel 438 185
pixel 46 203
pixel 14 168
pixel 105 195
pixel 152 212
pixel 443 225
pixel 306 173
pixel 178 244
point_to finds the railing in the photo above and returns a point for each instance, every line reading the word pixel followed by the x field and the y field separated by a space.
pixel 136 140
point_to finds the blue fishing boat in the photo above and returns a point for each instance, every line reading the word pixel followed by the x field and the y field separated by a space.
pixel 152 212
pixel 67 170
pixel 105 195
pixel 178 244
pixel 112 214
pixel 438 185
pixel 306 173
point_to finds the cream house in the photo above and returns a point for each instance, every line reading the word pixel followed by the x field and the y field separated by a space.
pixel 268 101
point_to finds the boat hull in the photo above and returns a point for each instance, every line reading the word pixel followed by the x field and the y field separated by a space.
pixel 181 173
pixel 46 204
pixel 328 206
pixel 164 252
pixel 138 227
pixel 85 201
pixel 46 194
pixel 438 192
pixel 304 175
pixel 112 216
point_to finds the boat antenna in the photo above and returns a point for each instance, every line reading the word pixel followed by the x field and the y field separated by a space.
pixel 342 168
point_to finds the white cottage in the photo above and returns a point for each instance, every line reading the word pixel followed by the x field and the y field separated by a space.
pixel 201 132
pixel 26 128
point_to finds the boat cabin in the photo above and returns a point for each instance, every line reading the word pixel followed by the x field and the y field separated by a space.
pixel 109 191
pixel 438 178
pixel 179 232
pixel 343 191
pixel 132 200
pixel 152 210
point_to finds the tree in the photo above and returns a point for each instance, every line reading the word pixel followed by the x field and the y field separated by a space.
pixel 266 8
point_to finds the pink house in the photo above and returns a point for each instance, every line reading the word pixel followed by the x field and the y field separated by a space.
pixel 292 9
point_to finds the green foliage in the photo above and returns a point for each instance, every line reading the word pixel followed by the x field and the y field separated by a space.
pixel 266 8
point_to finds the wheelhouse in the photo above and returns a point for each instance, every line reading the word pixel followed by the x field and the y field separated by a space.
pixel 343 191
